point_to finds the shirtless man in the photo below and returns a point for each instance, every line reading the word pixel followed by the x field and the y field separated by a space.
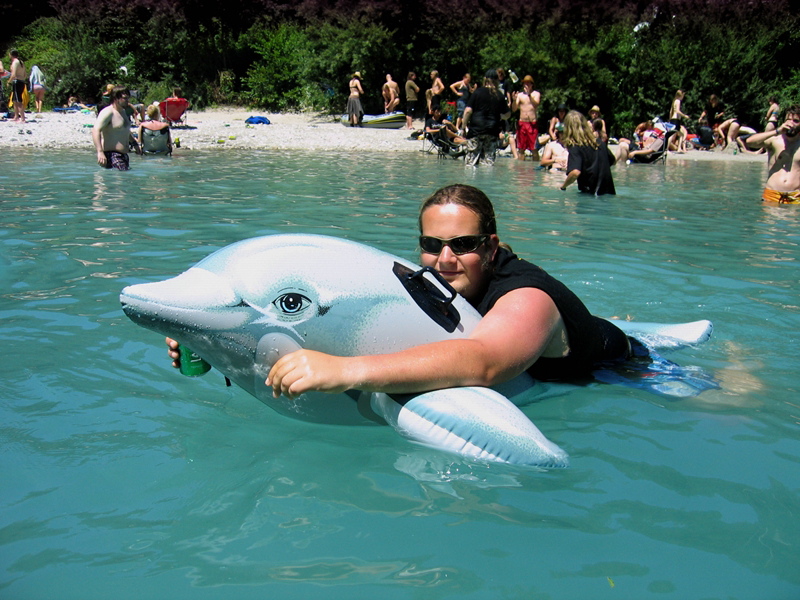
pixel 391 94
pixel 112 132
pixel 434 94
pixel 527 102
pixel 17 82
pixel 783 148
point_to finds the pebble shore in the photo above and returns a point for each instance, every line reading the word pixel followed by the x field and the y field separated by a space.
pixel 225 128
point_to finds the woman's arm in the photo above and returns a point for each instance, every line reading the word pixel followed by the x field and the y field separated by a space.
pixel 572 177
pixel 547 156
pixel 522 326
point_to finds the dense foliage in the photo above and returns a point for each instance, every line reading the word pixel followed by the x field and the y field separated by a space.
pixel 627 57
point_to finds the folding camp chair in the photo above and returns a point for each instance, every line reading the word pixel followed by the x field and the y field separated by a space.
pixel 442 145
pixel 659 155
pixel 173 110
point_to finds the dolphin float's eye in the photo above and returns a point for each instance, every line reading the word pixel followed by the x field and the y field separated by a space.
pixel 291 303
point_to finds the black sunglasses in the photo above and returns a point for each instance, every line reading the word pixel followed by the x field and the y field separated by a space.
pixel 463 244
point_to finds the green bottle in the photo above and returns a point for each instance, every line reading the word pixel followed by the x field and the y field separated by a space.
pixel 191 363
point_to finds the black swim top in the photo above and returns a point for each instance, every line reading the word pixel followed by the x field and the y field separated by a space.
pixel 592 340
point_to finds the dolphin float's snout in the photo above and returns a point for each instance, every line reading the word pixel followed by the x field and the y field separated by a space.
pixel 195 289
pixel 195 299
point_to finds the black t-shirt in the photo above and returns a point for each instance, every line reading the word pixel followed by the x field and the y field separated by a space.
pixel 595 167
pixel 712 112
pixel 432 123
pixel 487 105
pixel 592 340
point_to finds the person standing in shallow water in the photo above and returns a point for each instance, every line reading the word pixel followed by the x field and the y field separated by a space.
pixel 589 162
pixel 112 135
pixel 783 148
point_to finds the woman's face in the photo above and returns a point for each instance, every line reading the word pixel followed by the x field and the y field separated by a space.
pixel 467 273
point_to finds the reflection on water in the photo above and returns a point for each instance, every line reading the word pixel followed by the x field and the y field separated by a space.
pixel 116 469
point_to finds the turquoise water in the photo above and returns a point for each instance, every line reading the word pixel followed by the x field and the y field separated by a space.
pixel 122 479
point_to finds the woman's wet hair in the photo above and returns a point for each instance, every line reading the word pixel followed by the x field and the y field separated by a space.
pixel 468 196
pixel 578 131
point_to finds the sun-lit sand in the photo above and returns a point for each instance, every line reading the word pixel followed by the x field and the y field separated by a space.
pixel 225 128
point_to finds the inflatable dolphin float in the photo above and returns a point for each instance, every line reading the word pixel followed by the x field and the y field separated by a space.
pixel 250 303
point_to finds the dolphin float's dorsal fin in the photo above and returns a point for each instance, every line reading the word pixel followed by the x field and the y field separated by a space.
pixel 430 298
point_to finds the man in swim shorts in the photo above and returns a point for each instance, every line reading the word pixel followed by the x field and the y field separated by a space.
pixel 783 150
pixel 17 82
pixel 112 133
pixel 527 102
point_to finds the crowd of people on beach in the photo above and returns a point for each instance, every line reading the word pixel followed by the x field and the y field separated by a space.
pixel 476 119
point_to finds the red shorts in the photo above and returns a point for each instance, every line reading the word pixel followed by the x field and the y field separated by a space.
pixel 527 134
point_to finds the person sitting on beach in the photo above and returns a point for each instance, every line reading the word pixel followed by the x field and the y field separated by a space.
pixel 112 132
pixel 783 158
pixel 589 162
pixel 74 102
pixel 437 125
pixel 177 94
pixel 531 321
pixel 527 102
pixel 105 96
pixel 154 135
pixel 391 94
pixel 647 140
pixel 555 155
pixel 557 119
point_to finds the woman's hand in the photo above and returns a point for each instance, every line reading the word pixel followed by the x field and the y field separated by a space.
pixel 307 370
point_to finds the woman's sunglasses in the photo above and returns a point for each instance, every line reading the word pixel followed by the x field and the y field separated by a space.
pixel 463 244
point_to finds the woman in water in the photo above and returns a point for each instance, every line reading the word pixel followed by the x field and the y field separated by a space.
pixel 589 161
pixel 558 119
pixel 531 322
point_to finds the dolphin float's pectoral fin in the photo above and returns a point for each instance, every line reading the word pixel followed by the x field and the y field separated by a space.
pixel 474 422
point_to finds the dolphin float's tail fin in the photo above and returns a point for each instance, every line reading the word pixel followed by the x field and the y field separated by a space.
pixel 471 421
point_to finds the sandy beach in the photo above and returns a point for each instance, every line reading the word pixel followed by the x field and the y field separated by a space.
pixel 225 128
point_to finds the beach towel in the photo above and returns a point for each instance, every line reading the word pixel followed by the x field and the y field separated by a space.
pixel 36 77
pixel 25 99
pixel 257 121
